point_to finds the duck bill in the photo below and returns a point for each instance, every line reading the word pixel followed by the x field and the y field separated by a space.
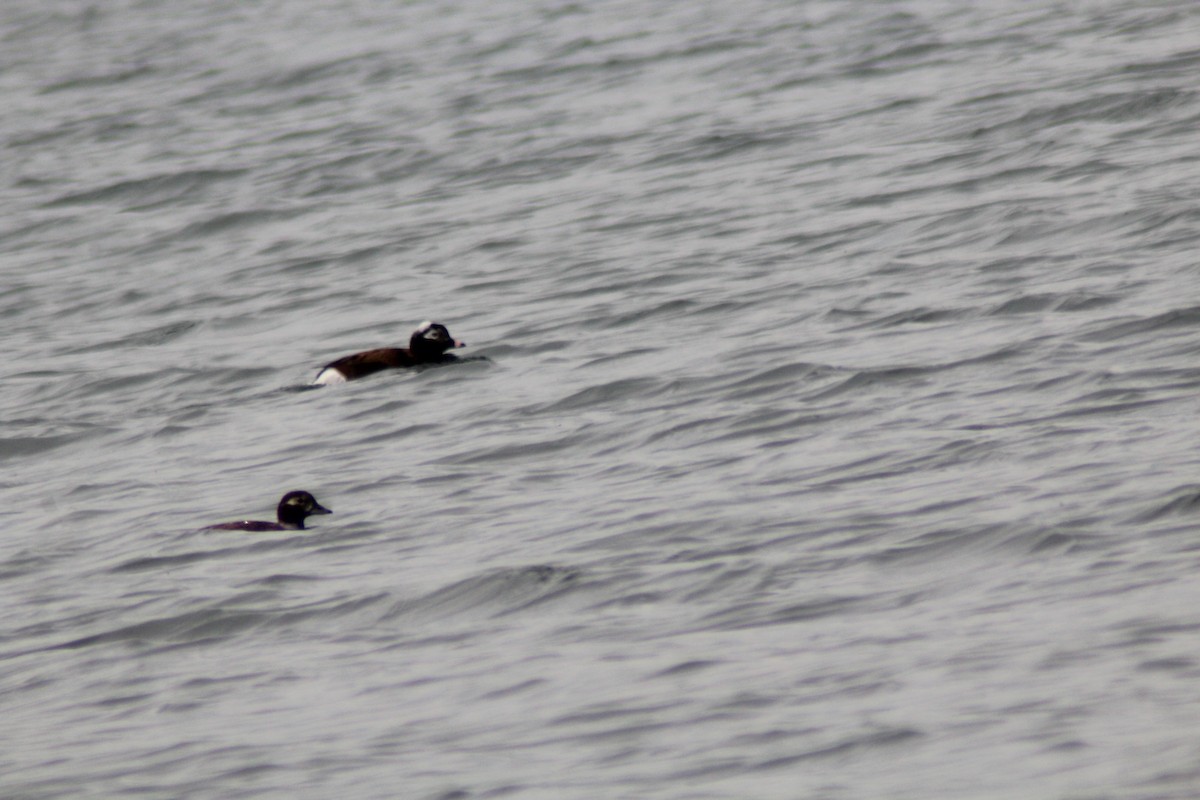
pixel 319 509
pixel 459 343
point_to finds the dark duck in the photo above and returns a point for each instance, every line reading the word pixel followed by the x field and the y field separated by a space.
pixel 294 508
pixel 427 345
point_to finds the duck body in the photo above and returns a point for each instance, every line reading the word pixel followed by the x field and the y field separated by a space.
pixel 256 525
pixel 427 345
pixel 293 509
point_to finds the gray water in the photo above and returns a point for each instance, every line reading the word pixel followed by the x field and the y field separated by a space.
pixel 833 433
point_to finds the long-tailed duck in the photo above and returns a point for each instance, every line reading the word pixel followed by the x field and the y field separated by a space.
pixel 292 511
pixel 427 345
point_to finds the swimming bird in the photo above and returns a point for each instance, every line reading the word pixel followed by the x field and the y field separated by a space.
pixel 293 509
pixel 427 345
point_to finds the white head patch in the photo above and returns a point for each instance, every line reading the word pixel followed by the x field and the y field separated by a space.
pixel 432 331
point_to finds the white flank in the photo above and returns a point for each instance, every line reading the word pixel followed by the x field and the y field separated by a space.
pixel 329 377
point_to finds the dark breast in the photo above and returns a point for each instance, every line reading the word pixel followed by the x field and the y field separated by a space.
pixel 372 361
